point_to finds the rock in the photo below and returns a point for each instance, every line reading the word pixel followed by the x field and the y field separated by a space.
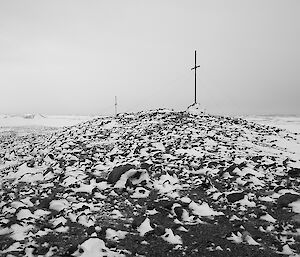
pixel 178 210
pixel 42 251
pixel 48 170
pixel 45 203
pixel 72 249
pixel 277 189
pixel 296 218
pixel 137 221
pixel 99 179
pixel 229 169
pixel 90 230
pixel 62 163
pixel 117 172
pixel 145 166
pixel 166 204
pixel 212 164
pixel 102 233
pixel 51 156
pixel 111 244
pixel 30 163
pixel 286 199
pixel 234 197
pixel 71 162
pixel 294 172
pixel 159 230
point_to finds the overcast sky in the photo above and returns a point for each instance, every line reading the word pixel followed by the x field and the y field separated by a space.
pixel 73 57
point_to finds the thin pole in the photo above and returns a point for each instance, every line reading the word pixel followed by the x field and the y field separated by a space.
pixel 195 77
pixel 116 106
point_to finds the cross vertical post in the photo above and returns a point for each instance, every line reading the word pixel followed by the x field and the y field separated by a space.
pixel 195 77
pixel 195 68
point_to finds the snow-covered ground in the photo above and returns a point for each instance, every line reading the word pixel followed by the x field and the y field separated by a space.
pixel 41 120
pixel 290 123
pixel 157 183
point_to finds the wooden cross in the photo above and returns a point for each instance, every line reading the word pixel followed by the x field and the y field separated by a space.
pixel 195 68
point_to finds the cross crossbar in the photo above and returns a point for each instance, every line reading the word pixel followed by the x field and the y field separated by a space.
pixel 195 67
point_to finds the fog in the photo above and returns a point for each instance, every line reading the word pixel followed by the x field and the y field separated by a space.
pixel 74 57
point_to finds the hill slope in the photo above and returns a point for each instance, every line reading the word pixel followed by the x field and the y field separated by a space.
pixel 156 183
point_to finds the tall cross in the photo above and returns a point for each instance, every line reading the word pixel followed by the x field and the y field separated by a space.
pixel 195 68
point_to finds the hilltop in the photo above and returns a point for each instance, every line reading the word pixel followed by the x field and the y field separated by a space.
pixel 156 183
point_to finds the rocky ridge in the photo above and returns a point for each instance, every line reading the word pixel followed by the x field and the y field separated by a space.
pixel 157 183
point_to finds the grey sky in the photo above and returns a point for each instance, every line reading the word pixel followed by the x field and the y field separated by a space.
pixel 73 57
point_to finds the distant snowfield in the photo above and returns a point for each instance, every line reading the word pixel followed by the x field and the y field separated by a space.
pixel 8 122
pixel 55 121
pixel 290 123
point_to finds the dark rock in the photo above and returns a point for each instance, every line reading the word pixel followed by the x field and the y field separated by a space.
pixel 51 156
pixel 117 172
pixel 111 244
pixel 206 184
pixel 159 230
pixel 102 233
pixel 294 172
pixel 234 197
pixel 150 205
pixel 277 189
pixel 128 184
pixel 120 191
pixel 71 162
pixel 296 218
pixel 285 162
pixel 62 163
pixel 145 166
pixel 229 169
pixel 40 250
pixel 178 210
pixel 286 199
pixel 72 249
pixel 166 204
pixel 49 169
pixel 45 203
pixel 137 221
pixel 242 165
pixel 30 163
pixel 212 164
pixel 99 179
pixel 256 158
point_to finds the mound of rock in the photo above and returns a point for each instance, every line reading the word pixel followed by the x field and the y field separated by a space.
pixel 156 183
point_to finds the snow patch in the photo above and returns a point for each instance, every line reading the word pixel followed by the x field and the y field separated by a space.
pixel 203 209
pixel 95 247
pixel 144 227
pixel 171 238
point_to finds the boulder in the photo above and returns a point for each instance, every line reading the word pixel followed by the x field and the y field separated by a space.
pixel 234 197
pixel 286 199
pixel 294 172
pixel 230 169
pixel 166 204
pixel 137 221
pixel 117 172
pixel 296 218
pixel 159 230
pixel 45 203
pixel 50 155
pixel 178 211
